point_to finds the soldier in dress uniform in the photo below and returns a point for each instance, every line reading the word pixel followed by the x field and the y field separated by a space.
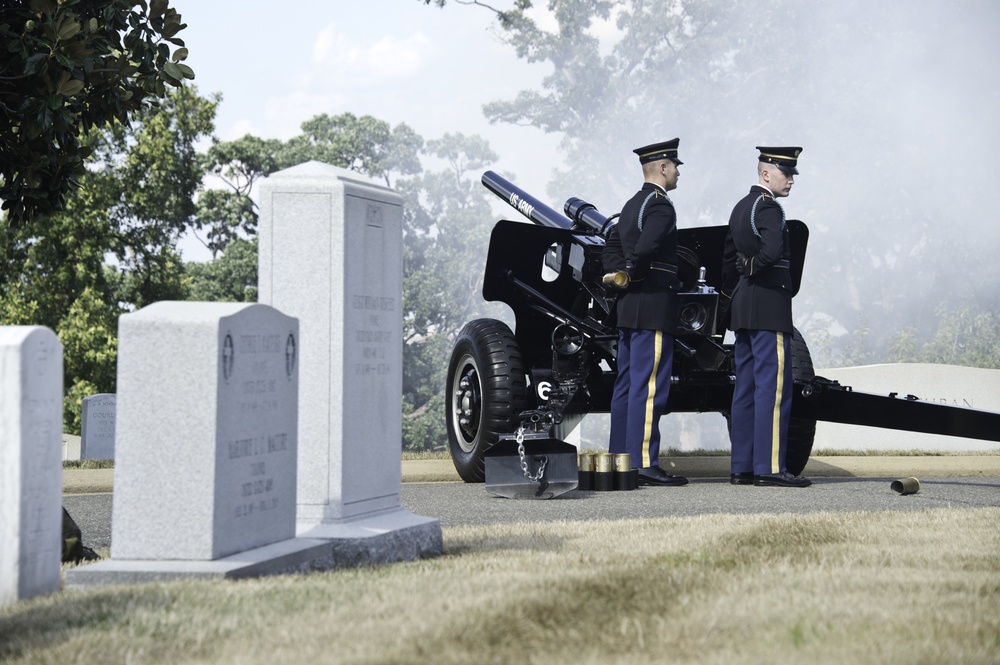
pixel 643 254
pixel 756 260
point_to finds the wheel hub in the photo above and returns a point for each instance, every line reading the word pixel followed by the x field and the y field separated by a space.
pixel 467 405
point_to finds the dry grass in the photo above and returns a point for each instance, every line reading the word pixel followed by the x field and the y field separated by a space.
pixel 913 587
pixel 88 464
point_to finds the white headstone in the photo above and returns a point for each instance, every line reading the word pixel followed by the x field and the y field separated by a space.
pixel 966 387
pixel 70 447
pixel 331 255
pixel 31 384
pixel 97 432
pixel 206 430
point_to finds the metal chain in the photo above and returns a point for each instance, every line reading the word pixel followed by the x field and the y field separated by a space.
pixel 524 464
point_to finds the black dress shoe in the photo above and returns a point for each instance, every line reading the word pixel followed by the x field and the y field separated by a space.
pixel 654 475
pixel 783 479
pixel 741 478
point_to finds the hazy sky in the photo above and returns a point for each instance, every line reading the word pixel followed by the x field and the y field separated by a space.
pixel 930 98
pixel 279 64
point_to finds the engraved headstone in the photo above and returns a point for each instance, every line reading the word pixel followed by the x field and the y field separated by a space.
pixel 97 433
pixel 207 408
pixel 206 441
pixel 31 384
pixel 331 255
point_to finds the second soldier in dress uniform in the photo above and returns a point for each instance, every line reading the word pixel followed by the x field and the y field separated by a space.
pixel 757 247
pixel 647 313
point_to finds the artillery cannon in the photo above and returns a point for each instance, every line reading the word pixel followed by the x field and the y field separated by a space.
pixel 559 362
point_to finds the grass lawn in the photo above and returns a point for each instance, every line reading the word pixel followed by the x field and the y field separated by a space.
pixel 888 587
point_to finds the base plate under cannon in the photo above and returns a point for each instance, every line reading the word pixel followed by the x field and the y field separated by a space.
pixel 505 476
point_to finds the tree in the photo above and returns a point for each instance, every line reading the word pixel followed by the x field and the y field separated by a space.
pixel 89 335
pixel 135 200
pixel 446 222
pixel 890 247
pixel 70 66
pixel 232 277
pixel 366 145
pixel 447 236
pixel 226 213
pixel 965 336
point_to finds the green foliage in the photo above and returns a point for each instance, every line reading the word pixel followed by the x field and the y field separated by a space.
pixel 965 336
pixel 424 427
pixel 364 144
pixel 223 214
pixel 135 200
pixel 70 67
pixel 89 335
pixel 447 228
pixel 143 189
pixel 230 278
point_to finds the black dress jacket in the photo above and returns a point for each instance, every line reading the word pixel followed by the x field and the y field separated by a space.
pixel 762 298
pixel 649 245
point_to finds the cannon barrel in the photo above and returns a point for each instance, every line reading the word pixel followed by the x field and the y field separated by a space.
pixel 585 214
pixel 540 213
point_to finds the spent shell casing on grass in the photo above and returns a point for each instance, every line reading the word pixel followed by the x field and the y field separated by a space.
pixel 905 486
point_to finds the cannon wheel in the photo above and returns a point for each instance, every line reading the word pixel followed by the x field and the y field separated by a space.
pixel 801 431
pixel 487 390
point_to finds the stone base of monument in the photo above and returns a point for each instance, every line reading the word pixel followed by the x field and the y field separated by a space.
pixel 295 555
pixel 390 537
pixel 387 537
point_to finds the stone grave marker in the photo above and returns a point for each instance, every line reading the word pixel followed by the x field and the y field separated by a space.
pixel 97 433
pixel 206 445
pixel 31 384
pixel 331 255
pixel 70 447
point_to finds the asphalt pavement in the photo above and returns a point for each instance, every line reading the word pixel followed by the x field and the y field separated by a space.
pixel 455 503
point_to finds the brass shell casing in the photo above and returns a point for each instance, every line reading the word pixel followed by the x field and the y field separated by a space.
pixel 905 486
pixel 585 463
pixel 604 476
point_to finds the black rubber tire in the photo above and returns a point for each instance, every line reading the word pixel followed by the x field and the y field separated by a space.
pixel 487 390
pixel 801 431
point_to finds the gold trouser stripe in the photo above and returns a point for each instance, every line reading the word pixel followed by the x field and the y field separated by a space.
pixel 776 415
pixel 650 395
